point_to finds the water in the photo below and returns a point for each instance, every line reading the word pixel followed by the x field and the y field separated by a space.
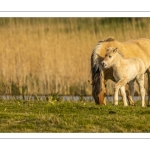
pixel 43 97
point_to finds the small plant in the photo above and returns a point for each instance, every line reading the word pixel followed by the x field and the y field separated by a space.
pixel 36 97
pixel 81 98
pixel 54 97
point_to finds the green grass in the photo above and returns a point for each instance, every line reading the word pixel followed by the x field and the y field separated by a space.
pixel 22 116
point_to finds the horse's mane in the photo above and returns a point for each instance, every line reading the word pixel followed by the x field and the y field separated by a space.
pixel 109 39
pixel 94 55
pixel 96 70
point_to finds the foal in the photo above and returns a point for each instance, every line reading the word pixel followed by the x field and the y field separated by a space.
pixel 124 71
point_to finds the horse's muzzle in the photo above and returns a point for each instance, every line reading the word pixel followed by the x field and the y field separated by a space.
pixel 103 64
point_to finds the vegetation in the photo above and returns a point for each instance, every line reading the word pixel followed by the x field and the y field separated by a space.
pixel 42 56
pixel 57 116
pixel 50 55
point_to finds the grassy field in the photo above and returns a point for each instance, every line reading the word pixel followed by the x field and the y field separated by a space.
pixel 53 116
pixel 50 55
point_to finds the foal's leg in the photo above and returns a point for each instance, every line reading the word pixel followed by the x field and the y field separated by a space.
pixel 140 81
pixel 116 96
pixel 123 93
pixel 118 85
pixel 131 93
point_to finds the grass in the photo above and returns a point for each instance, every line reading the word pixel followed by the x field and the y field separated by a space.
pixel 53 116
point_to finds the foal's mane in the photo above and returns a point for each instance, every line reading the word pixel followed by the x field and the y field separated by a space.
pixel 112 49
pixel 120 53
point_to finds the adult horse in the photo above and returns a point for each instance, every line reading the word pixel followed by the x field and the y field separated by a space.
pixel 132 48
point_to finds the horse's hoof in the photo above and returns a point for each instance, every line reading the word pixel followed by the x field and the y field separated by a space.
pixel 132 104
pixel 115 104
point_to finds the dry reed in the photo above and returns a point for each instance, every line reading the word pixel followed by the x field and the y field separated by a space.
pixel 49 55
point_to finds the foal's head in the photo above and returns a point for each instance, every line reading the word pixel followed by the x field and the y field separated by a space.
pixel 109 58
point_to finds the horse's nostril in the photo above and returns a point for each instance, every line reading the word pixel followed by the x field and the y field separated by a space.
pixel 103 64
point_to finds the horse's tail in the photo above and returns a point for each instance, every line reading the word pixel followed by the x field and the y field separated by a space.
pixel 95 71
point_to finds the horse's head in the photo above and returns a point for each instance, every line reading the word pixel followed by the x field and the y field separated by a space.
pixel 109 57
pixel 98 72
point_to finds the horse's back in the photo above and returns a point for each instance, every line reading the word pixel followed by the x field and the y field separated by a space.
pixel 132 48
pixel 138 48
pixel 138 45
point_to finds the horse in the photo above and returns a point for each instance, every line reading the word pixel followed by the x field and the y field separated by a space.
pixel 124 71
pixel 132 48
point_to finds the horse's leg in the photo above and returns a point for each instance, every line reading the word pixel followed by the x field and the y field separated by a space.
pixel 140 81
pixel 148 74
pixel 118 85
pixel 123 93
pixel 105 75
pixel 130 93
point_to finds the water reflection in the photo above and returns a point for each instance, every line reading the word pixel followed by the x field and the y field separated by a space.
pixel 43 97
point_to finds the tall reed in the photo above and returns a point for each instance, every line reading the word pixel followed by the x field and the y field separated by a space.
pixel 49 55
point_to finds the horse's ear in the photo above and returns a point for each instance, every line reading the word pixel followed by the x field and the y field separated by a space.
pixel 115 50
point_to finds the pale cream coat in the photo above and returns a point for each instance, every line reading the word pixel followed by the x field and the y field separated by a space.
pixel 125 71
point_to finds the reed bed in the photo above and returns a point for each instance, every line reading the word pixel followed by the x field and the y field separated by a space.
pixel 52 55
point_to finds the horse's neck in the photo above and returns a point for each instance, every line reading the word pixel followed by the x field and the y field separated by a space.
pixel 118 61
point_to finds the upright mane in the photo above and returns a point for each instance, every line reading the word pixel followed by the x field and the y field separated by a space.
pixel 112 48
pixel 109 39
pixel 94 55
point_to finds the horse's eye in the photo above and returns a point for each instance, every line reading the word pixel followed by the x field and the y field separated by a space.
pixel 110 56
